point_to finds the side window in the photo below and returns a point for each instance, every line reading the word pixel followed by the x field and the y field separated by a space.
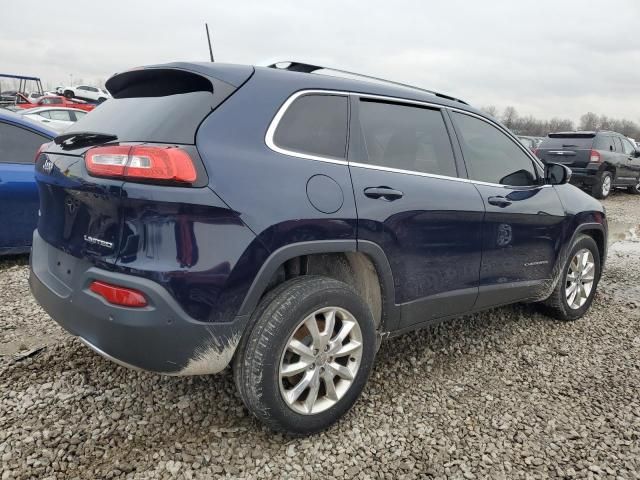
pixel 618 144
pixel 604 142
pixel 76 115
pixel 45 114
pixel 315 125
pixel 18 145
pixel 491 156
pixel 406 137
pixel 627 148
pixel 60 115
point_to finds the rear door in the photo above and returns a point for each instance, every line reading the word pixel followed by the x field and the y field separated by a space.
pixel 629 166
pixel 18 193
pixel 412 203
pixel 524 218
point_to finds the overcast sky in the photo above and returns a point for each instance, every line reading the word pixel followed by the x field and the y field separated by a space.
pixel 546 58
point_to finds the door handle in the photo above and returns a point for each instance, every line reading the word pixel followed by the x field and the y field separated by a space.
pixel 385 193
pixel 499 201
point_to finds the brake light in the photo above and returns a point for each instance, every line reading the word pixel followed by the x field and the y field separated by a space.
pixel 595 156
pixel 126 297
pixel 40 150
pixel 141 162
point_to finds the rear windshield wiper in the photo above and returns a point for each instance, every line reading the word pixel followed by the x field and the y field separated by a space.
pixel 83 139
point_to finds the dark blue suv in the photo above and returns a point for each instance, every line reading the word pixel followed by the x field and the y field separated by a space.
pixel 287 221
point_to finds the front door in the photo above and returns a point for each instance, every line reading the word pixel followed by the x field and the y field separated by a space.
pixel 524 218
pixel 412 204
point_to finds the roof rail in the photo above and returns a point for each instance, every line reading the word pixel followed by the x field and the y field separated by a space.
pixel 309 68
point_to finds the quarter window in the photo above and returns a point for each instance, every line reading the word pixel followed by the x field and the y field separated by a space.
pixel 406 137
pixel 491 156
pixel 315 125
pixel 604 142
pixel 18 145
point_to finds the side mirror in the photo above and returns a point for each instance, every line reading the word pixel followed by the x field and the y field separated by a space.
pixel 556 174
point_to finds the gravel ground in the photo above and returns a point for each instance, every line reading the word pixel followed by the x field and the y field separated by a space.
pixel 504 394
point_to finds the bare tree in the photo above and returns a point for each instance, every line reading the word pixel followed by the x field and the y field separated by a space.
pixel 509 117
pixel 589 121
pixel 490 110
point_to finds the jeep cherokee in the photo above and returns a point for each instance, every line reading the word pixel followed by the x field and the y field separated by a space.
pixel 286 222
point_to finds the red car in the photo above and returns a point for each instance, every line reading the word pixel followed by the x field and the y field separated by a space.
pixel 57 100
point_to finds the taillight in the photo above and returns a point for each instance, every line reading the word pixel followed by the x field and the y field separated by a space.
pixel 142 163
pixel 595 156
pixel 126 297
pixel 40 150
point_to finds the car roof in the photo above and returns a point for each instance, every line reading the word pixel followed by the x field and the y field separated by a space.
pixel 584 133
pixel 236 74
pixel 15 119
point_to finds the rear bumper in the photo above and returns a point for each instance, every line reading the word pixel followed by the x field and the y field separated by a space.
pixel 584 177
pixel 160 337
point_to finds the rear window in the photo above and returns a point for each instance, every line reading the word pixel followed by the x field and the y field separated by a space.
pixel 567 142
pixel 315 125
pixel 156 106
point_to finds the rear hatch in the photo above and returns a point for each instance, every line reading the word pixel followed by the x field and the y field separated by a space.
pixel 571 148
pixel 161 108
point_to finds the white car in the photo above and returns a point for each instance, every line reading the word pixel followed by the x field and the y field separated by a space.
pixel 56 118
pixel 86 92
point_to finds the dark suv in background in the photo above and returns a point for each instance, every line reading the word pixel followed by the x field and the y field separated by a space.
pixel 598 160
pixel 287 222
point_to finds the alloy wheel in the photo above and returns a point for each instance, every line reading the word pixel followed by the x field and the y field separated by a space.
pixel 580 278
pixel 320 361
pixel 606 185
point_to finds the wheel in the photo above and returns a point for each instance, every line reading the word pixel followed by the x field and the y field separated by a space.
pixel 577 285
pixel 68 94
pixel 307 355
pixel 636 188
pixel 602 188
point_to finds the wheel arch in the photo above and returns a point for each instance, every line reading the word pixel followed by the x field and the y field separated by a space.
pixel 363 265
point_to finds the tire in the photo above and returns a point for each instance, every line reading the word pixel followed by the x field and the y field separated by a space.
pixel 602 188
pixel 68 94
pixel 557 305
pixel 265 352
pixel 635 190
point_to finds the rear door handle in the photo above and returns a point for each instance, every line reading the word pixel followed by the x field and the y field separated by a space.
pixel 386 193
pixel 499 201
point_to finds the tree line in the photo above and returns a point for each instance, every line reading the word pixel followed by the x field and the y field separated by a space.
pixel 529 125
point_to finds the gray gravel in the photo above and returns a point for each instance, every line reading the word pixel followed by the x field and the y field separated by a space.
pixel 504 394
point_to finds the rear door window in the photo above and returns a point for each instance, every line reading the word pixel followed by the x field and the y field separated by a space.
pixel 406 137
pixel 618 144
pixel 316 125
pixel 18 145
pixel 491 156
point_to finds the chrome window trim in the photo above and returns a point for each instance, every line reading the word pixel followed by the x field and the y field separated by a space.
pixel 276 121
pixel 282 110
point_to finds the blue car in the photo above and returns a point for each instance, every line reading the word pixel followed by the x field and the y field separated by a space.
pixel 286 222
pixel 20 139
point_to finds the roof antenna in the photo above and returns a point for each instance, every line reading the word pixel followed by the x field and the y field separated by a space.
pixel 206 26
